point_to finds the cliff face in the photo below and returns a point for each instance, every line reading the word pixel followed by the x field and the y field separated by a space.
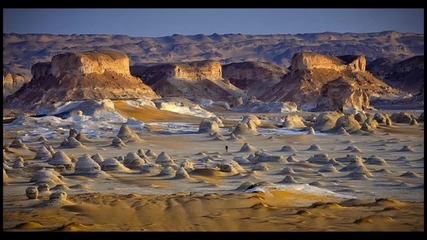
pixel 310 72
pixel 254 77
pixel 308 60
pixel 40 70
pixel 83 63
pixel 211 70
pixel 201 79
pixel 80 76
pixel 11 83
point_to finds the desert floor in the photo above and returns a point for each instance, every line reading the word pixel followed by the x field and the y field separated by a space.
pixel 391 199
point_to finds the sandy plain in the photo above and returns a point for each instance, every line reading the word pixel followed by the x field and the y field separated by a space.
pixel 286 195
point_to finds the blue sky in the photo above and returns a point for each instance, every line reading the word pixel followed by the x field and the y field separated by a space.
pixel 165 22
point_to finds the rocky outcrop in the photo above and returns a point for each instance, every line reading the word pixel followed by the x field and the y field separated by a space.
pixel 310 72
pixel 308 60
pixel 293 121
pixel 81 76
pixel 326 120
pixel 198 70
pixel 402 117
pixel 11 83
pixel 254 77
pixel 41 70
pixel 84 63
pixel 208 126
pixel 354 63
pixel 344 95
pixel 201 79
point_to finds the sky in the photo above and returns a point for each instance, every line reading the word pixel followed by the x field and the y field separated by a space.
pixel 165 22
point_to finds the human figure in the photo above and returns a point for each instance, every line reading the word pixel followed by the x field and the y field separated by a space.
pixel 226 148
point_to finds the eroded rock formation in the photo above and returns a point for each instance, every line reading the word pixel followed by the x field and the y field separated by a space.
pixel 80 76
pixel 11 83
pixel 344 95
pixel 310 72
pixel 201 79
pixel 84 63
pixel 308 60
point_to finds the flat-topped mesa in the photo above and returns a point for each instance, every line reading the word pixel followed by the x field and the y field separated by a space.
pixel 200 79
pixel 83 63
pixel 102 74
pixel 308 60
pixel 208 69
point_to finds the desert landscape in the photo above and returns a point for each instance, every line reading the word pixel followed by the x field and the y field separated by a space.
pixel 98 138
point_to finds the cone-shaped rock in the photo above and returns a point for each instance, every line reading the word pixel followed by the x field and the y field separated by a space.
pixel 311 131
pixel 288 148
pixel 112 164
pixel 117 142
pixel 165 160
pixel 314 147
pixel 82 137
pixel 288 180
pixel 208 126
pixel 60 158
pixel 133 161
pixel 181 173
pixel 43 153
pixel 150 153
pixel 17 143
pixel 46 176
pixel 247 148
pixel 127 135
pixel 86 165
pixel 98 158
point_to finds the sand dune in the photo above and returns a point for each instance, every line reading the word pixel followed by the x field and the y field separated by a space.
pixel 222 212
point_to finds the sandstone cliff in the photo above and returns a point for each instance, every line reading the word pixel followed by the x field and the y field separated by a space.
pixel 79 76
pixel 254 77
pixel 310 71
pixel 201 79
pixel 84 63
pixel 308 60
pixel 11 83
pixel 211 70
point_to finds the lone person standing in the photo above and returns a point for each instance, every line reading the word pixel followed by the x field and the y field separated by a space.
pixel 226 148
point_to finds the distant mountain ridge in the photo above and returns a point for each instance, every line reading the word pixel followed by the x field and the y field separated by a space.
pixel 21 51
